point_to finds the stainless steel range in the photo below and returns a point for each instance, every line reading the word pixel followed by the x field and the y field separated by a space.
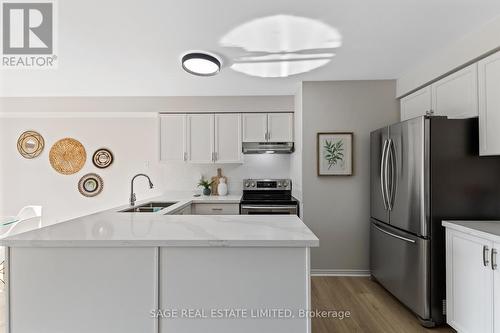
pixel 267 197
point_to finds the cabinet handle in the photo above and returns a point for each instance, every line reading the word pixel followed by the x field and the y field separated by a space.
pixel 185 156
pixel 216 156
pixel 219 209
pixel 486 251
pixel 494 259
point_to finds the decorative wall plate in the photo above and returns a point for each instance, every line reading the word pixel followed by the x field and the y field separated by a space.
pixel 67 156
pixel 102 158
pixel 30 144
pixel 90 185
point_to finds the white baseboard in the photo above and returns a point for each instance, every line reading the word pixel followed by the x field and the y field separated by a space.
pixel 340 272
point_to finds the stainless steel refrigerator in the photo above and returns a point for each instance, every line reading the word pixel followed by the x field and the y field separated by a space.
pixel 424 170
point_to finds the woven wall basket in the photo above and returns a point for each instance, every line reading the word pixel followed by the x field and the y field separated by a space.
pixel 67 156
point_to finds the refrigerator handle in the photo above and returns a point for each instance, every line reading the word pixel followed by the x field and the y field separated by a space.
pixel 379 228
pixel 383 173
pixel 386 174
pixel 391 194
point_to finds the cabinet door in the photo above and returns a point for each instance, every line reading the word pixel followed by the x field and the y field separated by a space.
pixel 280 127
pixel 173 137
pixel 254 127
pixel 469 283
pixel 489 105
pixel 416 104
pixel 228 138
pixel 496 287
pixel 456 95
pixel 200 138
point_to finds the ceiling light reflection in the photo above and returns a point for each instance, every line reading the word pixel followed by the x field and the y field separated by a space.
pixel 281 45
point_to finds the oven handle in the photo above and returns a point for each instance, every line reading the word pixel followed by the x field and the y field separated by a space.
pixel 268 207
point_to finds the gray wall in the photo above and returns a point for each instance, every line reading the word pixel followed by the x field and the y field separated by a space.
pixel 337 208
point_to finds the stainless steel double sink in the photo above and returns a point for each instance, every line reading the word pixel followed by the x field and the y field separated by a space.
pixel 150 207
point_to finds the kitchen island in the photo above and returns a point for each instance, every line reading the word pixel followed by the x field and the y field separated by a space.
pixel 149 272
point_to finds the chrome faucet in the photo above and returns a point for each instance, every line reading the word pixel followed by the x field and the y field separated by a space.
pixel 132 194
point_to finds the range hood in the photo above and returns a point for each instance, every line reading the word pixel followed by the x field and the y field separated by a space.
pixel 267 147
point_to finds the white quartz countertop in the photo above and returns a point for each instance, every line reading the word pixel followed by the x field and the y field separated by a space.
pixel 485 229
pixel 112 228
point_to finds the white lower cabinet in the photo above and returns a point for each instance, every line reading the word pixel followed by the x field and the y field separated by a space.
pixel 216 209
pixel 472 283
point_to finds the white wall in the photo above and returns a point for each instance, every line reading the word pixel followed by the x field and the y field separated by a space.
pixel 133 141
pixel 337 208
pixel 465 50
pixel 132 136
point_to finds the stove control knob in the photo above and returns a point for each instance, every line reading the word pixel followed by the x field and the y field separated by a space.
pixel 285 184
pixel 253 184
pixel 279 184
pixel 247 184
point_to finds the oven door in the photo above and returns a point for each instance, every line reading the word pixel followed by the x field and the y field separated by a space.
pixel 268 210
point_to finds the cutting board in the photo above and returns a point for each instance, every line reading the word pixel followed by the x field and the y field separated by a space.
pixel 215 180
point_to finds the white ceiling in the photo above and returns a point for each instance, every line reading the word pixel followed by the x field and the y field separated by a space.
pixel 125 47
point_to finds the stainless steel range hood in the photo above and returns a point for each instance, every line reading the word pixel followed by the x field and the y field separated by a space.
pixel 268 147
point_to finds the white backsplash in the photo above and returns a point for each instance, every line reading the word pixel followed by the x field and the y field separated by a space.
pixel 184 177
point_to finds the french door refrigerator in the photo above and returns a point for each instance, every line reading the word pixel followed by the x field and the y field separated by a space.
pixel 425 170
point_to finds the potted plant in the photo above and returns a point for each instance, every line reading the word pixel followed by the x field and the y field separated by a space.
pixel 206 186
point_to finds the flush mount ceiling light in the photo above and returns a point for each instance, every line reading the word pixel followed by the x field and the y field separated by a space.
pixel 201 63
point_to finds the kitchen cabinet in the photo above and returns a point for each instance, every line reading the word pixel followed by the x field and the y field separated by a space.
pixel 227 141
pixel 472 283
pixel 280 127
pixel 254 127
pixel 456 95
pixel 173 137
pixel 216 209
pixel 489 105
pixel 268 127
pixel 417 104
pixel 201 138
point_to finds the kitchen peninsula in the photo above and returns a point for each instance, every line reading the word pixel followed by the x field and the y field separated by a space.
pixel 126 272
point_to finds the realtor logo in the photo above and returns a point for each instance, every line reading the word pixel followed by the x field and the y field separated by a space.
pixel 28 34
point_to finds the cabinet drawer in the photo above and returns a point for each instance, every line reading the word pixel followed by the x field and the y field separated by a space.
pixel 216 209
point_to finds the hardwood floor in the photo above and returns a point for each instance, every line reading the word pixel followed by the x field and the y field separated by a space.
pixel 372 308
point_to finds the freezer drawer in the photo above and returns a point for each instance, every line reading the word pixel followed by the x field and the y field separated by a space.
pixel 400 262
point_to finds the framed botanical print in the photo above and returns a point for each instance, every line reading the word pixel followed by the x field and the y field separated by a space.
pixel 334 151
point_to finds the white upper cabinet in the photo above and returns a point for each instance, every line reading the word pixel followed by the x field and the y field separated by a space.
pixel 417 104
pixel 268 127
pixel 469 283
pixel 228 138
pixel 456 95
pixel 200 138
pixel 173 137
pixel 280 127
pixel 489 105
pixel 254 127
